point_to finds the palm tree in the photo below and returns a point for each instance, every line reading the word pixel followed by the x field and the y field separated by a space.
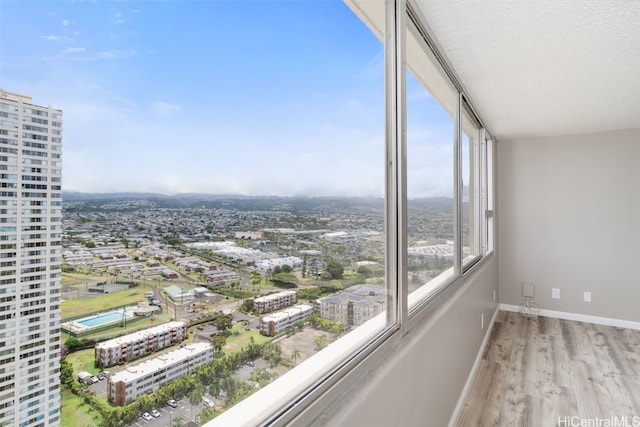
pixel 295 356
pixel 195 397
pixel 320 342
pixel 215 387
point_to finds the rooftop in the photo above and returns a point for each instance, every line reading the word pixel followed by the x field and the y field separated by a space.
pixel 173 357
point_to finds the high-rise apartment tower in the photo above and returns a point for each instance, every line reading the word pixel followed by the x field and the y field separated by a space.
pixel 30 251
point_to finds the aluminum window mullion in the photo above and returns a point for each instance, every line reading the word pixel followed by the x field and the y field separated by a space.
pixel 396 163
pixel 483 191
pixel 457 187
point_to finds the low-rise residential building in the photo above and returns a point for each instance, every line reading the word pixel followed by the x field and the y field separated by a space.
pixel 353 306
pixel 275 323
pixel 133 346
pixel 270 264
pixel 275 301
pixel 127 385
pixel 221 275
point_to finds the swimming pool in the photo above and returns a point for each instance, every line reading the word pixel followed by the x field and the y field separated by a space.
pixel 103 319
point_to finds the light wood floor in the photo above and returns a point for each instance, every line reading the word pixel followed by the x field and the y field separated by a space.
pixel 543 371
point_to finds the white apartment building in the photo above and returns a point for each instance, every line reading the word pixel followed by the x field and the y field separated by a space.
pixel 354 306
pixel 275 301
pixel 140 343
pixel 30 257
pixel 275 323
pixel 125 386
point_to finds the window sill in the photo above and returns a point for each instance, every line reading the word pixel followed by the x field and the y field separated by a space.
pixel 307 380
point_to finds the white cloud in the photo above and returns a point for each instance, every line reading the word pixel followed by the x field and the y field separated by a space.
pixel 164 109
pixel 65 22
pixel 118 18
pixel 54 38
pixel 74 50
pixel 105 55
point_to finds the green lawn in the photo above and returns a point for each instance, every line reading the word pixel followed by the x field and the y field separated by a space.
pixel 82 360
pixel 73 279
pixel 235 343
pixel 75 413
pixel 77 307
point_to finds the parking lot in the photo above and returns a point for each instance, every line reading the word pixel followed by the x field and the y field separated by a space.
pixel 168 415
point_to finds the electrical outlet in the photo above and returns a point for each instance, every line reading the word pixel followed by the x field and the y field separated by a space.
pixel 555 293
pixel 482 321
pixel 528 289
pixel 587 297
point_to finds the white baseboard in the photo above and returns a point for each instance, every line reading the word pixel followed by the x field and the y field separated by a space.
pixel 578 317
pixel 474 371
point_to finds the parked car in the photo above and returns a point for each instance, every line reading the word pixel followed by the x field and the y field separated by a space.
pixel 172 403
pixel 155 413
pixel 208 402
pixel 101 376
pixel 251 363
pixel 94 379
pixel 147 416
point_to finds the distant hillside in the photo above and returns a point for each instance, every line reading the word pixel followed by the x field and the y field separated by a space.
pixel 255 203
pixel 195 200
pixel 75 196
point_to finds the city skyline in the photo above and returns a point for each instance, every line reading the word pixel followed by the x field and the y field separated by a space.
pixel 212 97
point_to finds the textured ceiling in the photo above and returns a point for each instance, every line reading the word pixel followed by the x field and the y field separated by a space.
pixel 542 68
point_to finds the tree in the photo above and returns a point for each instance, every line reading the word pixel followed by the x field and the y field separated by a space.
pixel 295 356
pixel 273 353
pixel 247 305
pixel 144 403
pixel 336 328
pixel 173 241
pixel 66 373
pixel 255 278
pixel 72 344
pixel 320 342
pixel 287 268
pixel 335 269
pixel 223 321
pixel 365 271
pixel 218 342
pixel 195 397
pixel 215 388
pixel 285 279
pixel 304 266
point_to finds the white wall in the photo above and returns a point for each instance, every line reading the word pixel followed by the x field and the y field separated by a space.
pixel 419 381
pixel 569 218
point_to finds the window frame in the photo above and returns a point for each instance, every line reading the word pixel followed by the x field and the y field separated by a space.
pixel 370 344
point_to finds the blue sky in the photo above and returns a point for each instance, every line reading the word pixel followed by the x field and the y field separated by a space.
pixel 250 97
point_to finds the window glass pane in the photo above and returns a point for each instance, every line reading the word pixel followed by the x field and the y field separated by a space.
pixel 431 102
pixel 308 124
pixel 278 109
pixel 470 171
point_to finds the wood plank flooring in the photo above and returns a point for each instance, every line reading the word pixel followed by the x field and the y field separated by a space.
pixel 542 371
